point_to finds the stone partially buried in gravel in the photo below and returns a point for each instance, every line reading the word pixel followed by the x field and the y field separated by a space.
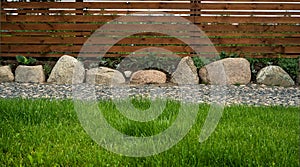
pixel 104 75
pixel 33 74
pixel 186 72
pixel 127 74
pixel 6 74
pixel 227 71
pixel 148 77
pixel 275 76
pixel 66 66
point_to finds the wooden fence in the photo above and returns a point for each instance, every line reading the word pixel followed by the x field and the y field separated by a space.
pixel 251 28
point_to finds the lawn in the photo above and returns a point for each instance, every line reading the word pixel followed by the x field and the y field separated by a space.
pixel 48 133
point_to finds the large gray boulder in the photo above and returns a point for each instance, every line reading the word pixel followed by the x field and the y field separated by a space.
pixel 104 75
pixel 227 71
pixel 64 69
pixel 274 76
pixel 6 74
pixel 186 72
pixel 33 74
pixel 148 77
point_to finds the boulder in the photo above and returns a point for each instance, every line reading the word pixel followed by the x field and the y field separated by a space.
pixel 6 74
pixel 66 66
pixel 33 74
pixel 227 71
pixel 148 77
pixel 186 72
pixel 274 76
pixel 104 75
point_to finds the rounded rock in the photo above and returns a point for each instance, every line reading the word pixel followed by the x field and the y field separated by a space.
pixel 148 77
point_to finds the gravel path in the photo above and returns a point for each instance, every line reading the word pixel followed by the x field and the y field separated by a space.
pixel 251 94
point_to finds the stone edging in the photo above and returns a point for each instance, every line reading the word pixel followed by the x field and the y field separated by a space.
pixel 229 71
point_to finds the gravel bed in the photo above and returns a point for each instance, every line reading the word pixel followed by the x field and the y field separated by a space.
pixel 251 94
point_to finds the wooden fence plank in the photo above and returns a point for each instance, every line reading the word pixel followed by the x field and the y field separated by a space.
pixel 39 48
pixel 266 13
pixel 82 27
pixel 84 12
pixel 151 5
pixel 203 27
pixel 43 40
pixel 208 34
pixel 265 20
pixel 3 54
pixel 47 34
pixel 58 18
pixel 259 28
pixel 124 55
pixel 162 19
pixel 98 5
pixel 294 50
pixel 77 48
pixel 247 6
pixel 141 41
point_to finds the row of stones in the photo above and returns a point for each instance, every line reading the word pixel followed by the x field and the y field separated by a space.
pixel 227 71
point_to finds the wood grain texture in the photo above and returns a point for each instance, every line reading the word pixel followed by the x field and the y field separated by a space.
pixel 35 30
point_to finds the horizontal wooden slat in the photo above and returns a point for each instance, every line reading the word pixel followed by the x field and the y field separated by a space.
pixel 257 41
pixel 151 5
pixel 294 50
pixel 77 48
pixel 42 40
pixel 260 49
pixel 141 41
pixel 227 19
pixel 85 12
pixel 241 54
pixel 88 27
pixel 50 26
pixel 182 13
pixel 98 5
pixel 265 14
pixel 39 48
pixel 197 19
pixel 203 27
pixel 124 55
pixel 87 18
pixel 58 18
pixel 208 34
pixel 3 54
pixel 171 11
pixel 258 28
pixel 209 30
pixel 250 35
pixel 48 34
pixel 76 55
pixel 247 6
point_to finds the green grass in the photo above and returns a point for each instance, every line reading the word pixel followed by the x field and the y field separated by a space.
pixel 48 133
